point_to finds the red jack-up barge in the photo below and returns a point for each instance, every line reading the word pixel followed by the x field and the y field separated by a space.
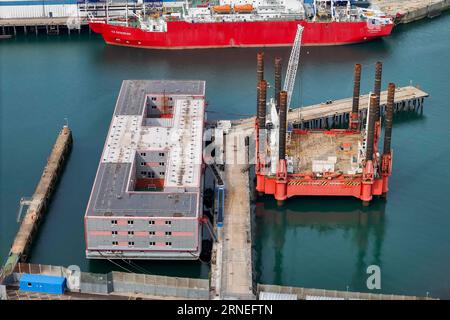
pixel 335 162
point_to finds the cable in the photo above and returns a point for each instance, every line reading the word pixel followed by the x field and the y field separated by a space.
pixel 132 264
pixel 142 269
pixel 115 263
pixel 198 258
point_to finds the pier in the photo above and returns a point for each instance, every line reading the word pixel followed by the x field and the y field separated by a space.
pixel 65 24
pixel 232 273
pixel 337 112
pixel 404 11
pixel 407 11
pixel 38 203
pixel 232 268
pixel 54 25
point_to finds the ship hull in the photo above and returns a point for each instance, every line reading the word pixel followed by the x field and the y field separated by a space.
pixel 187 35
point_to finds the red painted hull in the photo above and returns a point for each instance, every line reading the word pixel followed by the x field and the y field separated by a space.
pixel 183 35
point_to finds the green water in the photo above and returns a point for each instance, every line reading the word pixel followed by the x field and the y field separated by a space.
pixel 311 242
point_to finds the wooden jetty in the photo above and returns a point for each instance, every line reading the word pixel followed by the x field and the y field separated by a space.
pixel 39 201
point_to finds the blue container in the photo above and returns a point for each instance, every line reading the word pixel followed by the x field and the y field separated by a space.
pixel 221 205
pixel 42 283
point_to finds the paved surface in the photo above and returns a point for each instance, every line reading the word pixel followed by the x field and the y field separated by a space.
pixel 236 241
pixel 411 9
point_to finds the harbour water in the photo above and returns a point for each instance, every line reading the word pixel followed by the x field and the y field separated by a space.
pixel 310 242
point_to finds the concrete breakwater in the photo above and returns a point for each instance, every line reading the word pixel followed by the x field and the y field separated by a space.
pixel 39 202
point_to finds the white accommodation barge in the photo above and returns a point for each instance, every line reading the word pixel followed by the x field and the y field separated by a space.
pixel 146 201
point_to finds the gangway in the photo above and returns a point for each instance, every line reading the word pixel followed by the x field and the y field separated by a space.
pixel 220 194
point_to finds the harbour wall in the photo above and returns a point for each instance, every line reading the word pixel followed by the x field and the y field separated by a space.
pixel 407 11
pixel 20 248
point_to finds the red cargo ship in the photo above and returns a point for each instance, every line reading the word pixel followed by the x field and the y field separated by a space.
pixel 253 25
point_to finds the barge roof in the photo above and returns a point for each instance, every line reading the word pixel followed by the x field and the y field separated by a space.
pixel 132 131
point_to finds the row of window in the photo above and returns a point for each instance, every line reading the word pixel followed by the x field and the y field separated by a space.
pixel 131 222
pixel 154 98
pixel 161 164
pixel 131 243
pixel 161 154
pixel 131 233
pixel 151 174
pixel 167 107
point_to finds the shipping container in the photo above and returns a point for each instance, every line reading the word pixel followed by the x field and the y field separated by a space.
pixel 42 283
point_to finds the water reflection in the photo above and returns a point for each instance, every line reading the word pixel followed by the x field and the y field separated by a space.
pixel 192 269
pixel 244 57
pixel 278 230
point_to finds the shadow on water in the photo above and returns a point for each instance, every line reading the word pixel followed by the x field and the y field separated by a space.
pixel 242 58
pixel 191 269
pixel 278 226
pixel 407 118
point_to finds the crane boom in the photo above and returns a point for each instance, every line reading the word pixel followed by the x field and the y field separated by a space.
pixel 294 59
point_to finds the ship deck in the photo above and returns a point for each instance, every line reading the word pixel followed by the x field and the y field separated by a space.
pixel 320 148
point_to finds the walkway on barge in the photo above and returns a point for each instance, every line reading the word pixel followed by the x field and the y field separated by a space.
pixel 232 275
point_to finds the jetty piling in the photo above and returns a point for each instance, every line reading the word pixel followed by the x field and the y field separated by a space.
pixel 20 248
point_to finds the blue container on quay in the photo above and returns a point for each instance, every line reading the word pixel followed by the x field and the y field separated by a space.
pixel 42 283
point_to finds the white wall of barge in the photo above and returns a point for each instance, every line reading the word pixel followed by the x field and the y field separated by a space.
pixel 25 9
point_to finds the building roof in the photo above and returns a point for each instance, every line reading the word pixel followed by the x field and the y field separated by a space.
pixel 132 93
pixel 180 137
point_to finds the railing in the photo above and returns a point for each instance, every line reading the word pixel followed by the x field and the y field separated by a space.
pixel 307 293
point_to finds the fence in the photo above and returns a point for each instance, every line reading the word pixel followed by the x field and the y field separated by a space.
pixel 160 285
pixel 96 283
pixel 305 293
pixel 123 283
